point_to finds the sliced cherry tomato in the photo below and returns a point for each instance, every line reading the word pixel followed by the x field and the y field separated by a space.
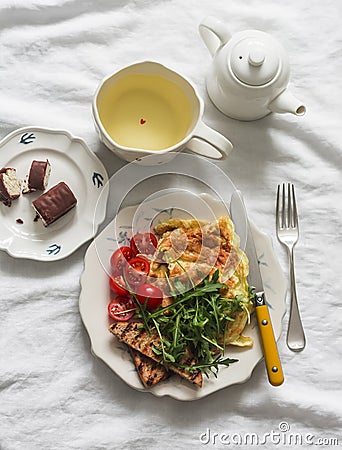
pixel 118 285
pixel 136 271
pixel 122 308
pixel 145 244
pixel 150 295
pixel 119 259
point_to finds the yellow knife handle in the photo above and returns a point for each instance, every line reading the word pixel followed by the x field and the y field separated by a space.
pixel 272 360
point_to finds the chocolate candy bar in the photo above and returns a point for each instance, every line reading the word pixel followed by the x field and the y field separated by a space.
pixel 9 185
pixel 38 177
pixel 54 203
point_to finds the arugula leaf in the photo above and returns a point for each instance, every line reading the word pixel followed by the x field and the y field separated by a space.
pixel 196 320
pixel 213 366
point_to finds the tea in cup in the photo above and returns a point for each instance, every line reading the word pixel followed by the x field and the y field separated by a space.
pixel 147 109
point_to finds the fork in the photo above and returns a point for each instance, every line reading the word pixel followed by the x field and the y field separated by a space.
pixel 288 233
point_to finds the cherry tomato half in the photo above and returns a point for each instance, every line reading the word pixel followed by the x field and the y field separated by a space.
pixel 144 243
pixel 122 308
pixel 136 271
pixel 119 259
pixel 118 285
pixel 150 294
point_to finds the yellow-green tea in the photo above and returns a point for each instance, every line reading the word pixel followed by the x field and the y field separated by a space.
pixel 145 112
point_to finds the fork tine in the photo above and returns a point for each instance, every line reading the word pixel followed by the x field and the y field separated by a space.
pixel 294 216
pixel 278 208
pixel 289 206
pixel 284 207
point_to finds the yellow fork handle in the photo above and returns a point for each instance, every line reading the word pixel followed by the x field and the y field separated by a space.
pixel 272 360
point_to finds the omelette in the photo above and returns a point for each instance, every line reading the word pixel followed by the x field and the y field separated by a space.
pixel 192 249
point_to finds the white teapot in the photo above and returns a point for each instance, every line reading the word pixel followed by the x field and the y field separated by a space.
pixel 249 74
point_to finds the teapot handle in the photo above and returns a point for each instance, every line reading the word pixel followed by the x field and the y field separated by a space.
pixel 212 29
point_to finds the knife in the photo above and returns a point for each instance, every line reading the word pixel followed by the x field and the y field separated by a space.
pixel 272 360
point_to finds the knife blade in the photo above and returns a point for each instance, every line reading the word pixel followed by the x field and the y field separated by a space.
pixel 271 354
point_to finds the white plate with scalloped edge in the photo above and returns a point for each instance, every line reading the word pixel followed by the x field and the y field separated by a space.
pixel 71 161
pixel 95 295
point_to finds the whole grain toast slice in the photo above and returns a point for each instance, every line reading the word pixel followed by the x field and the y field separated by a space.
pixel 149 371
pixel 136 337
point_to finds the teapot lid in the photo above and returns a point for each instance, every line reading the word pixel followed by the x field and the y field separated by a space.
pixel 254 60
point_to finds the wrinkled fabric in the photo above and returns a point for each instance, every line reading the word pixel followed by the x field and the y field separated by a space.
pixel 54 394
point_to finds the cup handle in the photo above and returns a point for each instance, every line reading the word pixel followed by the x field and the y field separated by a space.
pixel 210 143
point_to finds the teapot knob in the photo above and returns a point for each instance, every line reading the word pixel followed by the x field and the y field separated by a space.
pixel 256 57
pixel 254 60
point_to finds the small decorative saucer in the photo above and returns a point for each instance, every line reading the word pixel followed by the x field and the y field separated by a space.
pixel 72 162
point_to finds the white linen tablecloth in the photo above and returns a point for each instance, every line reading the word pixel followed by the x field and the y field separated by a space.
pixel 53 393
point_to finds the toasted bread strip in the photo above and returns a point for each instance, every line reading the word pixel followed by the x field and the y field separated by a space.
pixel 139 339
pixel 149 371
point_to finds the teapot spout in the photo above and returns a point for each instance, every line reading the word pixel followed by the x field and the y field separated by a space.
pixel 287 103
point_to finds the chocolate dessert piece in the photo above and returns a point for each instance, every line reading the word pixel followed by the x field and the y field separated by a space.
pixel 38 177
pixel 9 185
pixel 54 203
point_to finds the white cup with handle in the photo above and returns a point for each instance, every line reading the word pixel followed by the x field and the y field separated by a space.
pixel 148 109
